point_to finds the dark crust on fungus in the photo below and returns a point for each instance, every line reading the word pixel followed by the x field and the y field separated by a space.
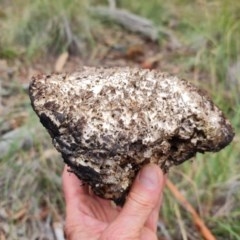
pixel 108 123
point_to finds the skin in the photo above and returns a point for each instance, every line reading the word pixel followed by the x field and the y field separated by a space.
pixel 93 218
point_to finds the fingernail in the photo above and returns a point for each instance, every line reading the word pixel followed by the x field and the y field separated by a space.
pixel 149 177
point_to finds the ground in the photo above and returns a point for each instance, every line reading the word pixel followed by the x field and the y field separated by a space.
pixel 199 45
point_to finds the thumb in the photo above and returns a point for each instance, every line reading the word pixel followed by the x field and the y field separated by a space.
pixel 142 199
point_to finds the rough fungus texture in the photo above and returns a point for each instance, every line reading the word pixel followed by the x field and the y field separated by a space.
pixel 108 123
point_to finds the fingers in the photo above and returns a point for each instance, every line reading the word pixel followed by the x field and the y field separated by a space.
pixel 142 200
pixel 73 188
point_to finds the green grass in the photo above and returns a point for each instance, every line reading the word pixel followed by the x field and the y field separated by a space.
pixel 209 32
pixel 31 179
pixel 206 182
pixel 210 29
pixel 45 27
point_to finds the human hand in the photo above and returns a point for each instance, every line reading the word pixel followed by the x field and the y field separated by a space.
pixel 93 218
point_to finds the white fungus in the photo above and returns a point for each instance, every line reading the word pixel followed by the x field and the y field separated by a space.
pixel 108 123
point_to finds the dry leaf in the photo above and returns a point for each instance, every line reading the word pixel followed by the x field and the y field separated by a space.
pixel 19 214
pixel 134 51
pixel 61 61
pixel 151 62
pixel 58 230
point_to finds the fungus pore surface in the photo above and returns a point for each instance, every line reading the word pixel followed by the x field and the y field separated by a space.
pixel 109 122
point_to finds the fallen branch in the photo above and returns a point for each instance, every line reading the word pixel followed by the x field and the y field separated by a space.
pixel 206 233
pixel 128 20
pixel 73 42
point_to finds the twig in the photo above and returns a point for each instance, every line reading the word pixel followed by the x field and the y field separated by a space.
pixel 130 21
pixel 196 218
pixel 68 30
pixel 72 40
pixel 180 222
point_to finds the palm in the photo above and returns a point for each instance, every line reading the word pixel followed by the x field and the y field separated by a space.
pixel 91 214
pixel 99 209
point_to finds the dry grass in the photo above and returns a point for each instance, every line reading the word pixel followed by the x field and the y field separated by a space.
pixel 30 175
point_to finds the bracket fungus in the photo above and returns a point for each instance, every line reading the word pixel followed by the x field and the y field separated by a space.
pixel 109 122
